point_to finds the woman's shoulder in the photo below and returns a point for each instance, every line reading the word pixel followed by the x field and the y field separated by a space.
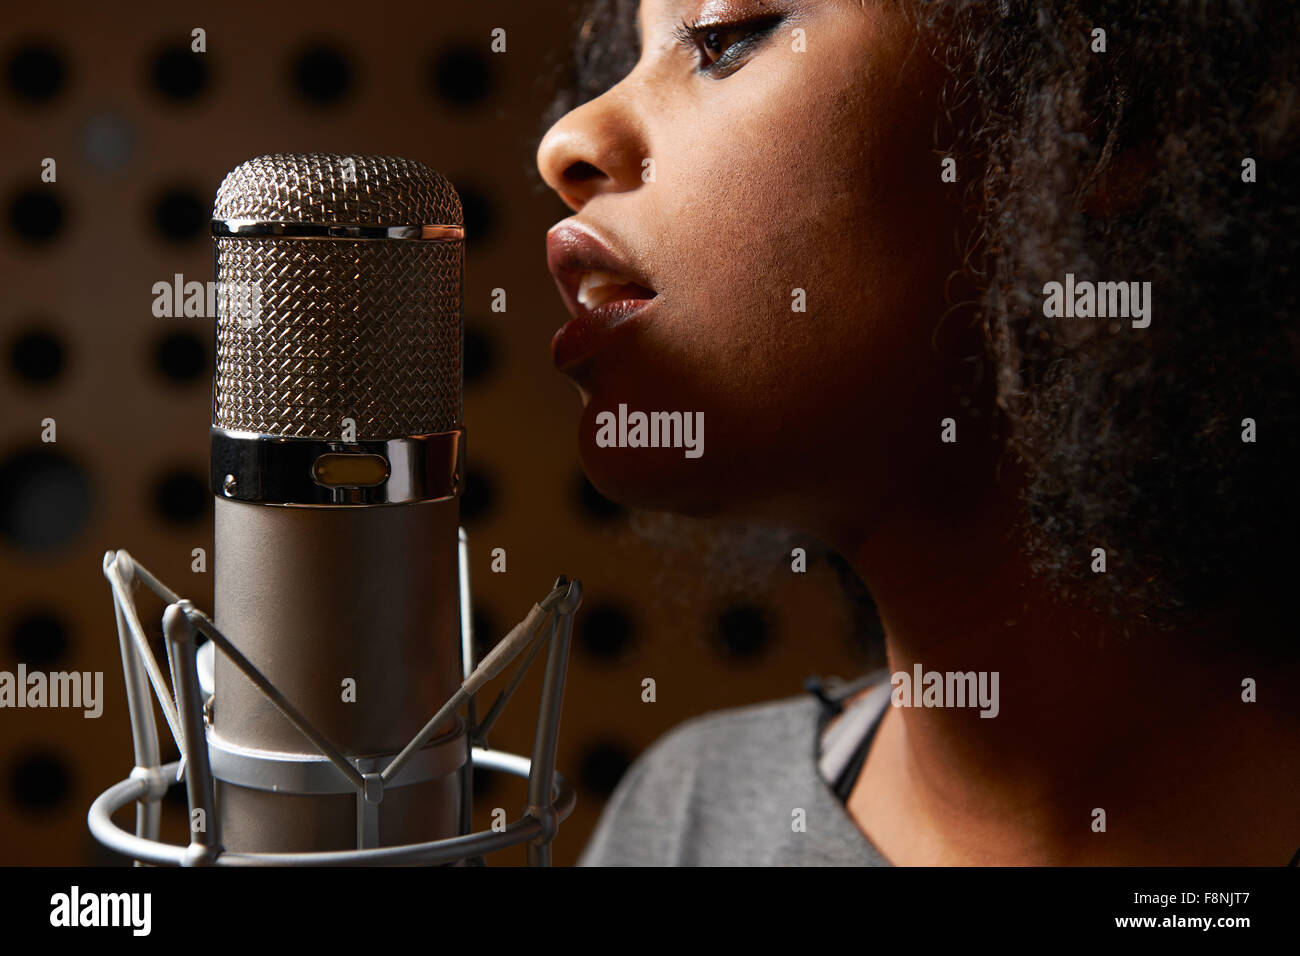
pixel 771 728
pixel 728 787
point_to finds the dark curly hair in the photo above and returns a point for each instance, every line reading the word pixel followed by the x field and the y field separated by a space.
pixel 1123 165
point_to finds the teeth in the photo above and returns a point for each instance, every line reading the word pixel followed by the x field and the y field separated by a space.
pixel 598 287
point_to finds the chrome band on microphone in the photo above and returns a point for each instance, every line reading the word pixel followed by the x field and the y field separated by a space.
pixel 313 773
pixel 299 773
pixel 270 469
pixel 263 229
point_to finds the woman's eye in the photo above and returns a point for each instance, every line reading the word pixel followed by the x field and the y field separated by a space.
pixel 717 42
pixel 722 45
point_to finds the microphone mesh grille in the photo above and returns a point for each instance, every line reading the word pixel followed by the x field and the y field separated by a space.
pixel 368 330
pixel 326 188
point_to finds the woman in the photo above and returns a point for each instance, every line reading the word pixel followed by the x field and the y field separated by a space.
pixel 997 300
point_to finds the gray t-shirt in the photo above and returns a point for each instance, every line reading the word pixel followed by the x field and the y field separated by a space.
pixel 745 786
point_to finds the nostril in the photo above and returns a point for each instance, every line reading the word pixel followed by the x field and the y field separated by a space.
pixel 581 172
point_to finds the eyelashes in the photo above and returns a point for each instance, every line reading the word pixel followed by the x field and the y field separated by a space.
pixel 715 38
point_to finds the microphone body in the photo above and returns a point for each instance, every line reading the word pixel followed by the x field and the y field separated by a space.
pixel 337 456
pixel 317 598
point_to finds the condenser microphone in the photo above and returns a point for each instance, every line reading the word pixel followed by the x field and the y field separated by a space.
pixel 320 724
pixel 337 457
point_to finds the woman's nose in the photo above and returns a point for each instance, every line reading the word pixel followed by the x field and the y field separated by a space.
pixel 596 148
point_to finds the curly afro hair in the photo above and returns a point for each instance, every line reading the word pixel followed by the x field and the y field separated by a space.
pixel 1128 164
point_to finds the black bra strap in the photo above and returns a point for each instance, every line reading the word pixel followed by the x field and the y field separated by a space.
pixel 844 786
pixel 831 705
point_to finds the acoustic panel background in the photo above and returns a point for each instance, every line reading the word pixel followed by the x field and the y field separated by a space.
pixel 141 130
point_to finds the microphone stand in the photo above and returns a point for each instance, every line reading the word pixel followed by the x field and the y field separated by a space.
pixel 187 708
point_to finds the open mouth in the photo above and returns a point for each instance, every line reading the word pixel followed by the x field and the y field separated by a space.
pixel 604 289
pixel 603 303
pixel 598 287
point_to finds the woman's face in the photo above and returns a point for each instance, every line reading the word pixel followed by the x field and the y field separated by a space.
pixel 804 161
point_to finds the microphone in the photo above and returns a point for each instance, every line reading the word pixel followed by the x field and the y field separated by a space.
pixel 337 445
pixel 320 724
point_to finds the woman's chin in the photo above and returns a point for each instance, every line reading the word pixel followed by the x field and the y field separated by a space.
pixel 651 479
pixel 672 478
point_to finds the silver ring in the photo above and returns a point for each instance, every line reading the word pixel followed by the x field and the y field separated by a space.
pixel 313 773
pixel 260 229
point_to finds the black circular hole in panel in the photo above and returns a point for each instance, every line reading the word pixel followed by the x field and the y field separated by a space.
pixel 479 499
pixel 179 215
pixel 181 497
pixel 39 637
pixel 36 71
pixel 479 212
pixel 605 631
pixel 486 628
pixel 40 782
pixel 744 630
pixel 485 783
pixel 178 73
pixel 480 355
pixel 602 765
pixel 37 356
pixel 36 215
pixel 45 500
pixel 177 797
pixel 461 75
pixel 180 357
pixel 322 74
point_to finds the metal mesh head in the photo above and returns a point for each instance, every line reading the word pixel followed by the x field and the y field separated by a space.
pixel 327 188
pixel 362 329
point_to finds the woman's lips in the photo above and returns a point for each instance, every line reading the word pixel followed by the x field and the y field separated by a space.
pixel 594 328
pixel 601 288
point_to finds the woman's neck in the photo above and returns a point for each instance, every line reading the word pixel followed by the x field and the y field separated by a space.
pixel 1149 728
